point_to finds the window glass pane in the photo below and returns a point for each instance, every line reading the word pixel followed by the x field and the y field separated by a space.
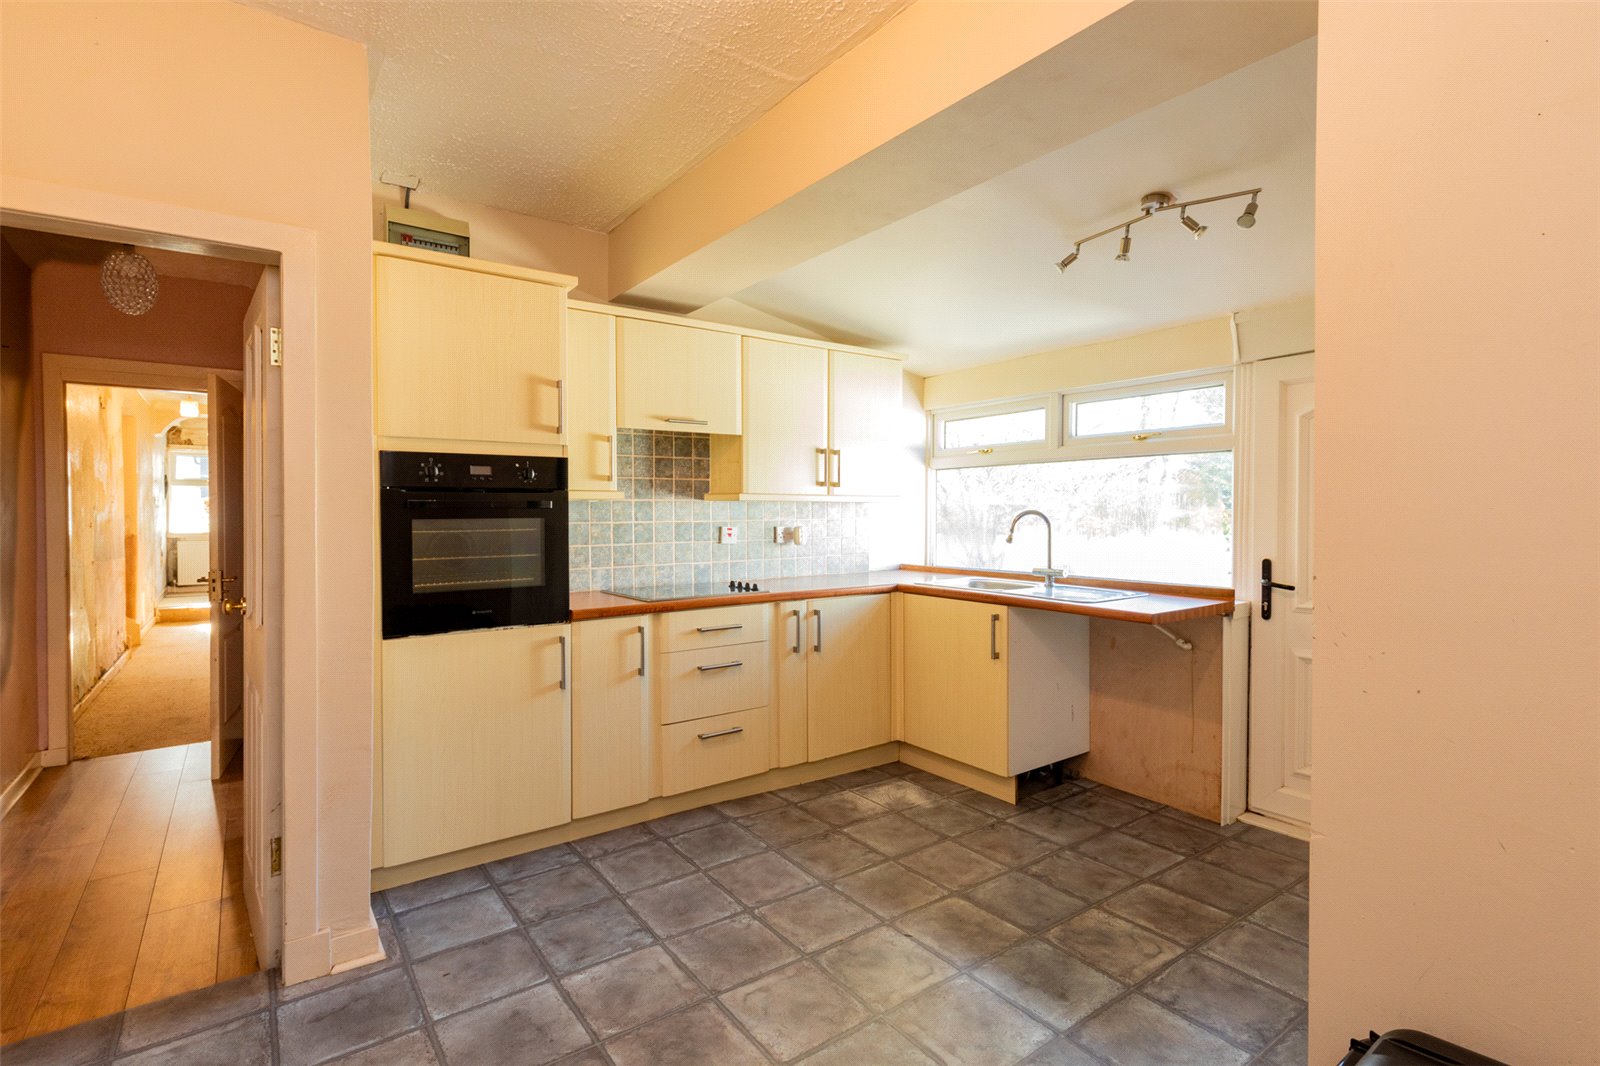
pixel 985 431
pixel 1179 409
pixel 1149 518
pixel 189 466
pixel 188 509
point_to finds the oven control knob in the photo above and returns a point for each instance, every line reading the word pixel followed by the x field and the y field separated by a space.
pixel 526 472
pixel 430 469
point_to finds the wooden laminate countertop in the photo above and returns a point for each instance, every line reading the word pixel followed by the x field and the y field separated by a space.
pixel 1159 604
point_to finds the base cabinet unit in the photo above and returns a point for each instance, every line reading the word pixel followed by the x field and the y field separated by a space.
pixel 1003 689
pixel 591 404
pixel 676 377
pixel 611 723
pixel 834 668
pixel 714 696
pixel 466 351
pixel 476 739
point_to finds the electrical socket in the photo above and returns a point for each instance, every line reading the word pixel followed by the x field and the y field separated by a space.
pixel 727 534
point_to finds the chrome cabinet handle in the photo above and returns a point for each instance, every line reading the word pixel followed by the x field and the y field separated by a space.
pixel 687 421
pixel 994 636
pixel 817 647
pixel 718 629
pixel 721 732
pixel 561 407
pixel 822 466
pixel 838 467
pixel 563 641
pixel 720 666
pixel 611 452
pixel 797 625
pixel 641 651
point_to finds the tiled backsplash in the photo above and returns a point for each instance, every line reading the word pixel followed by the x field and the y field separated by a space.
pixel 665 533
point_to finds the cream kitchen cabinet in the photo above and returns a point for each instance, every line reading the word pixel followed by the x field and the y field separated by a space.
pixel 817 423
pixel 833 668
pixel 591 404
pixel 611 723
pixel 715 696
pixel 1003 689
pixel 466 351
pixel 676 377
pixel 476 739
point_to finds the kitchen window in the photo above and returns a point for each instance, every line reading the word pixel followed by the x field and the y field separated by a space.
pixel 1138 483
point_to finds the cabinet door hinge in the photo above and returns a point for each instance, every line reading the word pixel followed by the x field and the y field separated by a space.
pixel 277 856
pixel 275 346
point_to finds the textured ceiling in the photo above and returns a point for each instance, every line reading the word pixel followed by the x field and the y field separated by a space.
pixel 972 279
pixel 577 110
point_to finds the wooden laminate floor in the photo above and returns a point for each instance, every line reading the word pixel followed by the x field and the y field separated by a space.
pixel 121 883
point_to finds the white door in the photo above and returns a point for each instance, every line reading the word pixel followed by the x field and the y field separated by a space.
pixel 1282 438
pixel 263 588
pixel 225 431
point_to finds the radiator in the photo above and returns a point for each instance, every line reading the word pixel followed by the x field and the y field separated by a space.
pixel 194 559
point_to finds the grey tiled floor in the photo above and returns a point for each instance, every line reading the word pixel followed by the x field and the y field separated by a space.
pixel 878 918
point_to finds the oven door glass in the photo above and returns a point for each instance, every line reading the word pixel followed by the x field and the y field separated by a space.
pixel 470 553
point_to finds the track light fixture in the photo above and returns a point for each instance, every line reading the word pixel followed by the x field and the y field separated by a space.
pixel 1153 203
pixel 1247 218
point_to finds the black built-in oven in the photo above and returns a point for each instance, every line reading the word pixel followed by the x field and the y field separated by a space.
pixel 472 541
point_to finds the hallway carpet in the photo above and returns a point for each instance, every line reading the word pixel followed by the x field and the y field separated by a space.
pixel 161 698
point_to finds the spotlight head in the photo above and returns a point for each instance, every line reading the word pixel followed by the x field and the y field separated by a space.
pixel 1127 246
pixel 1193 227
pixel 1248 217
pixel 1072 257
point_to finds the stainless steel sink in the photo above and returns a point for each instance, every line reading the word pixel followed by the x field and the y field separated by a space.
pixel 1082 594
pixel 987 584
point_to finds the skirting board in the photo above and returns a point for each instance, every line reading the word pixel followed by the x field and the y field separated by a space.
pixel 1001 788
pixel 20 783
pixel 100 685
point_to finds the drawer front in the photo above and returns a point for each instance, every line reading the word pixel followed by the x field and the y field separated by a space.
pixel 699 684
pixel 713 627
pixel 712 750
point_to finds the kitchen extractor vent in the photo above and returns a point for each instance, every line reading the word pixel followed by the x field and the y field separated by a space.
pixel 422 229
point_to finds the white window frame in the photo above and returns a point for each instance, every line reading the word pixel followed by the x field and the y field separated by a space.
pixel 173 479
pixel 1050 403
pixel 1060 446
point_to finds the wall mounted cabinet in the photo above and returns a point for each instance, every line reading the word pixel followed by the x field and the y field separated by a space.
pixel 591 405
pixel 817 423
pixel 676 377
pixel 1002 689
pixel 476 739
pixel 466 351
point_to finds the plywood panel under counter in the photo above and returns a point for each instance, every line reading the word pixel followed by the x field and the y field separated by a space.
pixel 1156 713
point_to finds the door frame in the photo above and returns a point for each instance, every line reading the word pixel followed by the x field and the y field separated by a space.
pixel 305 944
pixel 59 371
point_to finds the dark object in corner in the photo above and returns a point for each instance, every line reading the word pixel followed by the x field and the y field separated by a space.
pixel 1407 1047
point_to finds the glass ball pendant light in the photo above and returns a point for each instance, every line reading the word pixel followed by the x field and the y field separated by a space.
pixel 129 281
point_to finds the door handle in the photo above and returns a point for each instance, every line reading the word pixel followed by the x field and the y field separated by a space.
pixel 641 651
pixel 561 407
pixel 994 636
pixel 817 647
pixel 240 605
pixel 563 641
pixel 797 625
pixel 1267 585
pixel 838 467
pixel 718 629
pixel 611 453
pixel 822 466
pixel 720 666
pixel 721 733
pixel 688 421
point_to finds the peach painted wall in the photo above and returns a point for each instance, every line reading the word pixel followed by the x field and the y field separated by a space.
pixel 19 520
pixel 501 236
pixel 195 323
pixel 217 107
pixel 1455 869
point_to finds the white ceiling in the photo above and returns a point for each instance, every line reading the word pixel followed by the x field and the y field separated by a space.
pixel 577 110
pixel 972 280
